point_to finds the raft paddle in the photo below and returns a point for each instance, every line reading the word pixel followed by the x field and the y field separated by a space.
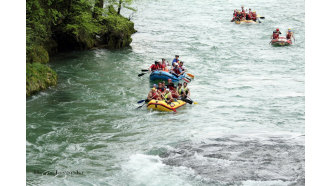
pixel 141 105
pixel 187 100
pixel 145 101
pixel 192 100
pixel 144 70
pixel 188 81
pixel 141 100
pixel 141 74
pixel 192 76
pixel 261 17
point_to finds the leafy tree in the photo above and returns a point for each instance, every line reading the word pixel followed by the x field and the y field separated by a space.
pixel 122 4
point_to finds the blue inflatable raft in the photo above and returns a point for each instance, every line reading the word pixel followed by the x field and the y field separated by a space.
pixel 164 76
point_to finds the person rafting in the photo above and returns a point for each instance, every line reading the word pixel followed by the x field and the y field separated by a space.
pixel 175 60
pixel 167 96
pixel 176 70
pixel 182 67
pixel 161 88
pixel 235 15
pixel 170 83
pixel 276 34
pixel 243 17
pixel 173 91
pixel 164 65
pixel 180 90
pixel 289 34
pixel 278 31
pixel 155 66
pixel 186 90
pixel 249 15
pixel 254 16
pixel 153 94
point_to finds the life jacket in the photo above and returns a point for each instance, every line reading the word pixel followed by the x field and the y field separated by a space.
pixel 288 36
pixel 275 35
pixel 171 87
pixel 161 90
pixel 166 96
pixel 154 67
pixel 154 95
pixel 163 66
pixel 180 91
pixel 173 93
pixel 185 90
pixel 176 70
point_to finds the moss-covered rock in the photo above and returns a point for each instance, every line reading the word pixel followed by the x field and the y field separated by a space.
pixel 118 31
pixel 37 54
pixel 39 77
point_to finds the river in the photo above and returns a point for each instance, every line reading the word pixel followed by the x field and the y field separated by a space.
pixel 248 127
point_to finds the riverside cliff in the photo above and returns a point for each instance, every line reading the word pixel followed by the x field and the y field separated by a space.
pixel 54 26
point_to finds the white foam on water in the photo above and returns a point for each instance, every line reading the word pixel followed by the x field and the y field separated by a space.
pixel 149 170
pixel 265 183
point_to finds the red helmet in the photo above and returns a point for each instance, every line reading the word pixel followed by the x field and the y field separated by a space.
pixel 277 29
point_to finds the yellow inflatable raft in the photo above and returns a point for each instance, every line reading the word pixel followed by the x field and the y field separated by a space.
pixel 245 21
pixel 163 106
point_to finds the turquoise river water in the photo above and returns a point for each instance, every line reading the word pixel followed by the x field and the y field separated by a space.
pixel 247 128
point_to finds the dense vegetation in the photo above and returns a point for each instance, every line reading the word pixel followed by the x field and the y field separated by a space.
pixel 63 25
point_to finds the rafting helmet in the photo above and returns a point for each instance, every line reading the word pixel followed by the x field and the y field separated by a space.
pixel 277 29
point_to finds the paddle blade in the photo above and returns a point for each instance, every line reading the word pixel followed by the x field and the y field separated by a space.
pixel 261 17
pixel 186 80
pixel 141 101
pixel 144 70
pixel 141 106
pixel 195 103
pixel 141 74
pixel 192 76
pixel 187 100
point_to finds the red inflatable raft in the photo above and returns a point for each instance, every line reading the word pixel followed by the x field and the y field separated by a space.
pixel 281 41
